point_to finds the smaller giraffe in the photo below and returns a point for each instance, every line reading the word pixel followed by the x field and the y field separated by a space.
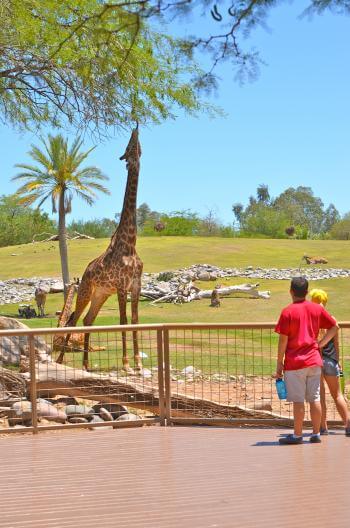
pixel 315 260
pixel 40 298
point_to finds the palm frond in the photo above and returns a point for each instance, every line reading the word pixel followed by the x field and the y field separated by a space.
pixel 44 200
pixel 29 199
pixel 85 197
pixel 92 173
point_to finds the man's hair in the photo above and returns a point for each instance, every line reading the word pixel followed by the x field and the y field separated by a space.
pixel 299 286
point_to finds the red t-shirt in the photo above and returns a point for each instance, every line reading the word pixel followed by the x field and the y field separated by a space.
pixel 301 322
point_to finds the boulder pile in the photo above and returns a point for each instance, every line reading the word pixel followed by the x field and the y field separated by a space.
pixel 21 290
pixel 18 412
pixel 210 272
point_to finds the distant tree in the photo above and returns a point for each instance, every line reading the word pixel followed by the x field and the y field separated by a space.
pixel 181 223
pixel 330 218
pixel 19 223
pixel 237 209
pixel 144 213
pixel 97 228
pixel 262 219
pixel 341 230
pixel 58 177
pixel 301 208
pixel 252 201
pixel 263 194
pixel 209 225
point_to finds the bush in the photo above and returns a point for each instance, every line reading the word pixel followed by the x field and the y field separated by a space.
pixel 19 224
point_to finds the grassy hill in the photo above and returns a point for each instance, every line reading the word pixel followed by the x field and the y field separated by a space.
pixel 165 253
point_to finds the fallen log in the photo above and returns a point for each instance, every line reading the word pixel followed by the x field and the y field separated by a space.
pixel 250 289
pixel 81 236
pixel 189 292
pixel 54 379
pixel 12 383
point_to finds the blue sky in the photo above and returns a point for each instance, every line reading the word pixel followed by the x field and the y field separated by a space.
pixel 290 127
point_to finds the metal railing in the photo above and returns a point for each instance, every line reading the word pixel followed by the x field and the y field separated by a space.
pixel 191 373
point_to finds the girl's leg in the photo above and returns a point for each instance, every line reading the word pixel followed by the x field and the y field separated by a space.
pixel 323 405
pixel 334 389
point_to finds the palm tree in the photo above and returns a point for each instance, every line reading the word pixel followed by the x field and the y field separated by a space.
pixel 59 177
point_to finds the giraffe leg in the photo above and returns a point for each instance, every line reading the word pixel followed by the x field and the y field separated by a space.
pixel 97 302
pixel 135 295
pixel 80 306
pixel 122 300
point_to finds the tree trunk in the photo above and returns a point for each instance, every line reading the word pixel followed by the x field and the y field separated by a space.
pixel 63 242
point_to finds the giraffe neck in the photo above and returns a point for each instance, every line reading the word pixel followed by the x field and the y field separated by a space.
pixel 67 308
pixel 126 232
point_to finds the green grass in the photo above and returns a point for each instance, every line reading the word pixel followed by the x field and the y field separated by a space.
pixel 165 253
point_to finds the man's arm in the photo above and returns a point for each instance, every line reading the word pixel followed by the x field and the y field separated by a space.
pixel 282 347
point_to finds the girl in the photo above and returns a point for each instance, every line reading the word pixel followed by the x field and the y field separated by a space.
pixel 330 373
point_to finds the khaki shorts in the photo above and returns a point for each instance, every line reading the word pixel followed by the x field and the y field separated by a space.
pixel 303 384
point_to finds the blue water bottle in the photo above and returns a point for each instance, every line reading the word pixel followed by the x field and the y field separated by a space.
pixel 281 389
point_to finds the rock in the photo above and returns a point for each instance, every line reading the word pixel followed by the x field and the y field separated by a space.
pixel 77 419
pixel 262 407
pixel 128 416
pixel 56 287
pixel 23 409
pixel 13 422
pixel 203 276
pixel 97 419
pixel 190 371
pixel 50 412
pixel 81 411
pixel 12 348
pixel 106 415
pixel 67 400
pixel 115 409
pixel 8 412
pixel 145 373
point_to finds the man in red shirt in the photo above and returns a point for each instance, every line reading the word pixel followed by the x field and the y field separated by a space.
pixel 299 357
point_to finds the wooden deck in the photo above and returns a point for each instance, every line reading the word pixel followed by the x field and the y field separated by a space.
pixel 154 477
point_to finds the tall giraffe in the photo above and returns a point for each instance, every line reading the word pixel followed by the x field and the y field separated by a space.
pixel 118 269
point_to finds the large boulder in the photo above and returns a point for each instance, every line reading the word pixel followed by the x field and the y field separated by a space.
pixel 13 347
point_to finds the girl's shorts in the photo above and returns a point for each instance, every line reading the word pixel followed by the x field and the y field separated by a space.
pixel 330 367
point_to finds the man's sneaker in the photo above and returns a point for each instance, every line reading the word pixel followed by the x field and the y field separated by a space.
pixel 324 432
pixel 291 440
pixel 315 439
pixel 347 431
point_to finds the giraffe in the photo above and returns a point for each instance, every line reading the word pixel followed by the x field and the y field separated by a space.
pixel 76 340
pixel 118 269
pixel 40 298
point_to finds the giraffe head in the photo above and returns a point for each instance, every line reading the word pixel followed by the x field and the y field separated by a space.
pixel 133 150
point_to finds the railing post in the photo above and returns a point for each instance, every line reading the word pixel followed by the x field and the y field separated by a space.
pixel 167 386
pixel 33 392
pixel 161 377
